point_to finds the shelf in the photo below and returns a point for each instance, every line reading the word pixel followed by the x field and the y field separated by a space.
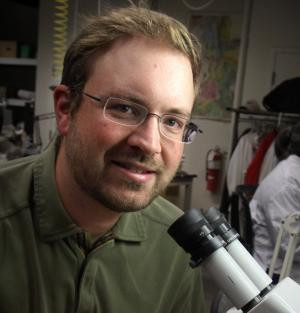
pixel 16 102
pixel 18 61
pixel 263 113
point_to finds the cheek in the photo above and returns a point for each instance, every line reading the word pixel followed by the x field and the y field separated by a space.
pixel 107 135
pixel 172 156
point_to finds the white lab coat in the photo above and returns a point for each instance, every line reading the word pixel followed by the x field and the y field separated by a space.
pixel 277 196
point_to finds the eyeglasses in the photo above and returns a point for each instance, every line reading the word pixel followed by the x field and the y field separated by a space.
pixel 128 113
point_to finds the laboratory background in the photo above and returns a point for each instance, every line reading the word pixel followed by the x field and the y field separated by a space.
pixel 248 93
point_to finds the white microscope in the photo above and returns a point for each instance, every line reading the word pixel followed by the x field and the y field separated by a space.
pixel 214 244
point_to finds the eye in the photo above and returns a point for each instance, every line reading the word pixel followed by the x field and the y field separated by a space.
pixel 122 108
pixel 173 122
pixel 124 112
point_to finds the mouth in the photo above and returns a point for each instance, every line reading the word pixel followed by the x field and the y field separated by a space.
pixel 133 172
pixel 134 167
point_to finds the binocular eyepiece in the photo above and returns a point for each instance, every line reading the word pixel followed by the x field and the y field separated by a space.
pixel 195 235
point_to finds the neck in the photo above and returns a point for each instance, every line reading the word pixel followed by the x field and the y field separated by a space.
pixel 85 211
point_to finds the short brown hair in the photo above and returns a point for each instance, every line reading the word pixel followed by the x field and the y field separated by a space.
pixel 102 31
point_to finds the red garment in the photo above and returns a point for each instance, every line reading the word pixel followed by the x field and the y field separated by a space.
pixel 253 170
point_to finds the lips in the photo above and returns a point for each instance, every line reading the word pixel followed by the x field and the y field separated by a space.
pixel 135 168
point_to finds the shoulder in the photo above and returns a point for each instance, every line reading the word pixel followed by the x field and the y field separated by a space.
pixel 285 173
pixel 281 188
pixel 273 183
pixel 9 165
pixel 292 166
pixel 15 184
pixel 171 258
pixel 157 218
pixel 162 212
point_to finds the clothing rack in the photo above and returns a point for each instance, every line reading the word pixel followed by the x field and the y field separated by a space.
pixel 261 116
pixel 241 114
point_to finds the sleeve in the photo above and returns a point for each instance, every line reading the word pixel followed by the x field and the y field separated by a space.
pixel 284 202
pixel 267 219
pixel 263 250
pixel 192 297
pixel 239 161
pixel 198 303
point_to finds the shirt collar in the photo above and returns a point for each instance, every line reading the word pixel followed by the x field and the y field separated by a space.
pixel 130 227
pixel 52 220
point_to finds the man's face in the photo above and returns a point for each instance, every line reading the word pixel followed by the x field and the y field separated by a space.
pixel 125 168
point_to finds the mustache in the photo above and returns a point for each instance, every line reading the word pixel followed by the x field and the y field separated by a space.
pixel 138 156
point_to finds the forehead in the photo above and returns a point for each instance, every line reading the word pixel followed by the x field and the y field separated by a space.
pixel 145 68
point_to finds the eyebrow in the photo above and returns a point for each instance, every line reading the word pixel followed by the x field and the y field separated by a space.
pixel 180 113
pixel 142 102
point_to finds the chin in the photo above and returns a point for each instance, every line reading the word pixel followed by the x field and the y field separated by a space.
pixel 122 200
pixel 133 201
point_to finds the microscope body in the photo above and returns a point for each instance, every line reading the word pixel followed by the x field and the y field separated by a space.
pixel 213 244
pixel 283 298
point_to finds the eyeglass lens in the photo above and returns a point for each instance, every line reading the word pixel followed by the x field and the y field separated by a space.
pixel 129 114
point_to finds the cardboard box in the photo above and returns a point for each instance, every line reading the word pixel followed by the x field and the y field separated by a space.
pixel 8 49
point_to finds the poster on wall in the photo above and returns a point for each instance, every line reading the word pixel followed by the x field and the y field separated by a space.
pixel 220 40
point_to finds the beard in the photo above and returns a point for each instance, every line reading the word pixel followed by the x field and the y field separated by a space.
pixel 92 175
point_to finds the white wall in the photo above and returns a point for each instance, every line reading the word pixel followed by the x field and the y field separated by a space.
pixel 215 133
pixel 274 24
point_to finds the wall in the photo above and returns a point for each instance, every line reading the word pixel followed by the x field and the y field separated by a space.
pixel 274 24
pixel 215 133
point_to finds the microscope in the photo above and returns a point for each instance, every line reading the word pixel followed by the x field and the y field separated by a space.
pixel 213 243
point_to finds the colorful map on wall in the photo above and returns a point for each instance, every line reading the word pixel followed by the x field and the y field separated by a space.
pixel 220 40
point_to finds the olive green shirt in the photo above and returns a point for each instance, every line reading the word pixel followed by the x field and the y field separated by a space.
pixel 49 265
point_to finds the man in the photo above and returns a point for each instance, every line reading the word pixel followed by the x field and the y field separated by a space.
pixel 276 197
pixel 83 227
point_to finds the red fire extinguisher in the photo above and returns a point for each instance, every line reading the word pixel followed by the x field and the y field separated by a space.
pixel 213 168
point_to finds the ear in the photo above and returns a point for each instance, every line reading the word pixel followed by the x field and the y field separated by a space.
pixel 62 105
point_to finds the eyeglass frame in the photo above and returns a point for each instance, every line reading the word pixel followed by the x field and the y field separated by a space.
pixel 103 101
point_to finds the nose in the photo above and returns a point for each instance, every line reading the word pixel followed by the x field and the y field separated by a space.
pixel 147 136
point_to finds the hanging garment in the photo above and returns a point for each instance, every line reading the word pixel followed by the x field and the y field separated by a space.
pixel 269 162
pixel 253 171
pixel 240 160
